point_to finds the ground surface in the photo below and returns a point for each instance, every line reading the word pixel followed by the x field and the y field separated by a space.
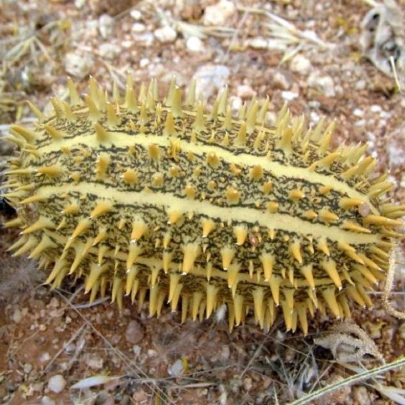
pixel 50 340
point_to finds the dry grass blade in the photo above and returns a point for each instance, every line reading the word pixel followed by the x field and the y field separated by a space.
pixel 349 381
pixel 286 31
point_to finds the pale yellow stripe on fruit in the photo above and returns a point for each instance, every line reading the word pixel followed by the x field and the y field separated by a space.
pixel 225 214
pixel 124 140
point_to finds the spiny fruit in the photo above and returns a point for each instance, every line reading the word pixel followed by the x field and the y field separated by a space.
pixel 197 208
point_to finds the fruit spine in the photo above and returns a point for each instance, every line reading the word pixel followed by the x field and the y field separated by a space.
pixel 199 208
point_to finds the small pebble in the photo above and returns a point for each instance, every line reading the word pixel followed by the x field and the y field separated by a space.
pixel 138 27
pixel 95 362
pixel 375 108
pixel 57 383
pixel 288 95
pixel 136 15
pixel 109 51
pixel 217 14
pixel 281 80
pixel 324 84
pixel 247 383
pixel 135 332
pixel 144 62
pixel 361 395
pixel 145 39
pixel 194 44
pixel 357 112
pixel 17 316
pixel 27 368
pixel 78 65
pixel 245 91
pixel 165 35
pixel 360 85
pixel 44 357
pixel 47 401
pixel 80 3
pixel 300 64
pixel 176 369
pixel 106 26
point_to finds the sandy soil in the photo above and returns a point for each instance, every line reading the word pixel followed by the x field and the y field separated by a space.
pixel 51 340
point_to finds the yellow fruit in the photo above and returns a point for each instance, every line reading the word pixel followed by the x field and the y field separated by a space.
pixel 164 199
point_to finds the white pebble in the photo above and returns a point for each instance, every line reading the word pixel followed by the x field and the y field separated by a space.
pixel 78 65
pixel 176 369
pixel 57 383
pixel 95 362
pixel 109 51
pixel 17 316
pixel 144 62
pixel 106 26
pixel 322 83
pixel 243 91
pixel 144 39
pixel 358 112
pixel 165 35
pixel 281 80
pixel 194 44
pixel 217 14
pixel 300 64
pixel 80 3
pixel 44 357
pixel 236 103
pixel 47 401
pixel 138 27
pixel 136 15
pixel 314 117
pixel 360 123
pixel 288 95
pixel 360 85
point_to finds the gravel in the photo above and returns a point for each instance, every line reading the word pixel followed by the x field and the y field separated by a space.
pixel 57 383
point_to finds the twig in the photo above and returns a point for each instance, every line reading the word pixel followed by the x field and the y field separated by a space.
pixel 91 304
